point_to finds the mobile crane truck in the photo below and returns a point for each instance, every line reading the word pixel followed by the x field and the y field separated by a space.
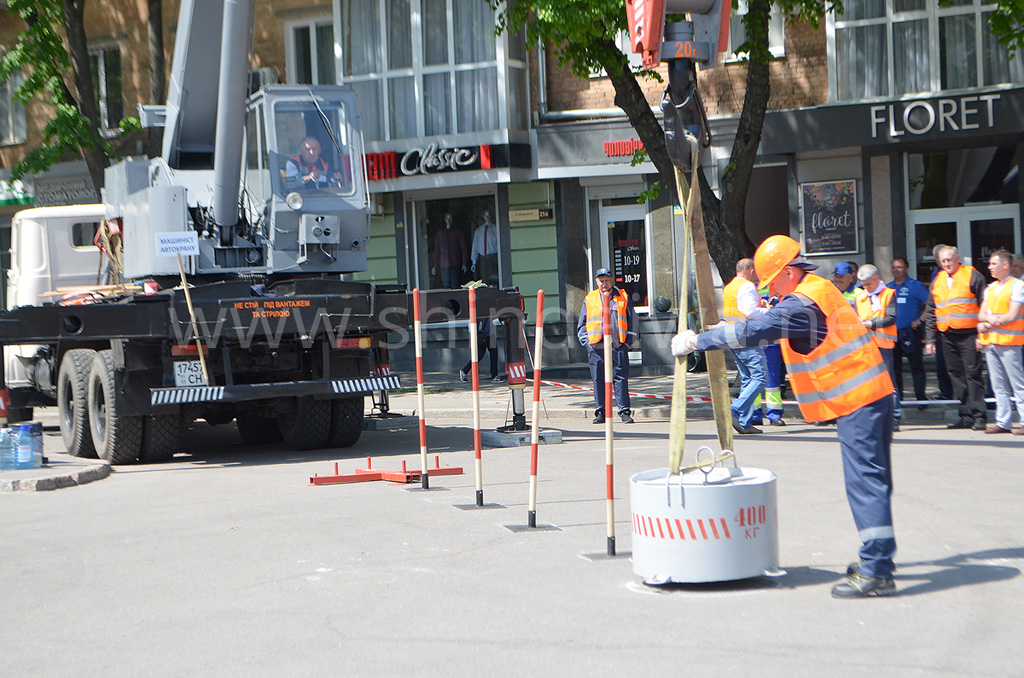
pixel 266 332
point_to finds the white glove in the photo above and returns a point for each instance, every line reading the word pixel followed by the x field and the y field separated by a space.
pixel 684 343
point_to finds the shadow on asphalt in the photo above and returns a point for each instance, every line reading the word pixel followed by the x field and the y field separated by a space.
pixel 966 569
pixel 795 577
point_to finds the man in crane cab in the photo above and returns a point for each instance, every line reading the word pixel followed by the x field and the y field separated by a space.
pixel 309 168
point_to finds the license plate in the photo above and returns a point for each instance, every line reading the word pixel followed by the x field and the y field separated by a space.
pixel 188 373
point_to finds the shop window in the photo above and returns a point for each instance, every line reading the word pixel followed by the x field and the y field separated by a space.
pixel 452 235
pixel 738 32
pixel 106 85
pixel 431 67
pixel 887 48
pixel 310 49
pixel 968 176
pixel 12 113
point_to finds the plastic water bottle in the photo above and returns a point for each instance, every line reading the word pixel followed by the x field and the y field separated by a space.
pixel 24 447
pixel 36 427
pixel 6 449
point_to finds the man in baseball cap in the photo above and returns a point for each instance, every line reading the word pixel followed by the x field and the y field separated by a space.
pixel 625 326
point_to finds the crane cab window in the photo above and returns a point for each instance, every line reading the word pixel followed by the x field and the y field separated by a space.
pixel 314 148
pixel 83 234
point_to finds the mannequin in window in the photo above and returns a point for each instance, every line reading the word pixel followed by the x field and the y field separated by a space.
pixel 485 251
pixel 449 254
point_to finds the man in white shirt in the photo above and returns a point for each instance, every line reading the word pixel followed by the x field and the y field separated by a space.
pixel 741 301
pixel 1000 337
pixel 876 308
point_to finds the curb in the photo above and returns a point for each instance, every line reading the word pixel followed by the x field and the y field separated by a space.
pixel 56 482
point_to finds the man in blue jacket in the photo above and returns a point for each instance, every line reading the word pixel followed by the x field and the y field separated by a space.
pixel 911 302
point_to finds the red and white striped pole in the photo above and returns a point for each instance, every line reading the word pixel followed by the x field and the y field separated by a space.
pixel 538 339
pixel 474 351
pixel 608 434
pixel 417 331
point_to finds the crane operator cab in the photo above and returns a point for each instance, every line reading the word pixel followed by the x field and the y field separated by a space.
pixel 304 193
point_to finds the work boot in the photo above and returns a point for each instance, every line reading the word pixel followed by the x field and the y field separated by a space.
pixel 979 425
pixel 963 422
pixel 855 567
pixel 599 417
pixel 463 375
pixel 747 430
pixel 859 586
pixel 777 422
pixel 624 415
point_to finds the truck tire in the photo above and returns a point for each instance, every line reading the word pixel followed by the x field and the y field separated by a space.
pixel 346 422
pixel 308 426
pixel 73 402
pixel 117 439
pixel 255 429
pixel 159 438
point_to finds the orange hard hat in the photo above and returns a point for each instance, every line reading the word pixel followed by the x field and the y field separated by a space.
pixel 773 255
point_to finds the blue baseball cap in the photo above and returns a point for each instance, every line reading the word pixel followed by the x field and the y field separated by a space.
pixel 602 271
pixel 843 268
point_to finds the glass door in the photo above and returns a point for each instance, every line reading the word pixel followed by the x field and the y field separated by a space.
pixel 624 242
pixel 976 231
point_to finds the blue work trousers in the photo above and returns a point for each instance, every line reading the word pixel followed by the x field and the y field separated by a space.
pixel 865 436
pixel 620 375
pixel 753 369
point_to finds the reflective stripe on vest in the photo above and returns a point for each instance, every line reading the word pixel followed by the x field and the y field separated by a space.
pixel 998 302
pixel 595 315
pixel 730 310
pixel 885 337
pixel 845 371
pixel 956 306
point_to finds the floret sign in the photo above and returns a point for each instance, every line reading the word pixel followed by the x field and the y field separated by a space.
pixel 829 217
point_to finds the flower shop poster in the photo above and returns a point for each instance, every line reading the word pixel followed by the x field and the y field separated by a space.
pixel 830 217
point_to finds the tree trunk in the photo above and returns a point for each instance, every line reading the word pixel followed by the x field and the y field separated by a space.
pixel 78 50
pixel 157 81
pixel 736 181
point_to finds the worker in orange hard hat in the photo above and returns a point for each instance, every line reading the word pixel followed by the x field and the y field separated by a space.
pixel 836 372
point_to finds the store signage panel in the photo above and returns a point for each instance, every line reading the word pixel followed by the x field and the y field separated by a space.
pixel 542 213
pixel 829 217
pixel 948 118
pixel 433 159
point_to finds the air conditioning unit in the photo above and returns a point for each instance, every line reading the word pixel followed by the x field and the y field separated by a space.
pixel 260 77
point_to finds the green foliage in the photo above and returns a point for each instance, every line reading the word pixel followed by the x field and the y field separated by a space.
pixel 1007 24
pixel 652 193
pixel 40 54
pixel 639 157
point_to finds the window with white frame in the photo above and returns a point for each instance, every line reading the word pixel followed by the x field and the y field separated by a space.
pixel 889 48
pixel 106 85
pixel 738 32
pixel 310 49
pixel 431 67
pixel 12 113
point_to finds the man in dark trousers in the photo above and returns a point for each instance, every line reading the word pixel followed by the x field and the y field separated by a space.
pixel 952 318
pixel 911 302
pixel 836 372
pixel 624 331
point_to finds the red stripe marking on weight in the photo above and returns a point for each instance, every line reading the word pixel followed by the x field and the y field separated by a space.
pixel 689 526
pixel 661 532
pixel 668 526
pixel 703 532
pixel 679 526
pixel 714 529
pixel 725 528
pixel 650 524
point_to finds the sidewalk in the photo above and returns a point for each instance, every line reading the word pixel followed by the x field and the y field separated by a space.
pixel 61 470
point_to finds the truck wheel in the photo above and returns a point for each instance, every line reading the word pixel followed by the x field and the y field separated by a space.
pixel 72 402
pixel 257 430
pixel 346 422
pixel 159 438
pixel 308 426
pixel 117 439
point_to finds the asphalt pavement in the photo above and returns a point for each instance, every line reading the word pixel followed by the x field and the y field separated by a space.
pixel 228 562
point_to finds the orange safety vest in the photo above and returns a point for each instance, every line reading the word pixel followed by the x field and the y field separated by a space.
pixel 885 337
pixel 730 311
pixel 845 371
pixel 998 302
pixel 306 169
pixel 595 315
pixel 956 306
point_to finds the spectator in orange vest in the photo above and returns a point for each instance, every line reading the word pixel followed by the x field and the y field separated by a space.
pixel 1000 337
pixel 953 320
pixel 876 308
pixel 741 301
pixel 625 326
